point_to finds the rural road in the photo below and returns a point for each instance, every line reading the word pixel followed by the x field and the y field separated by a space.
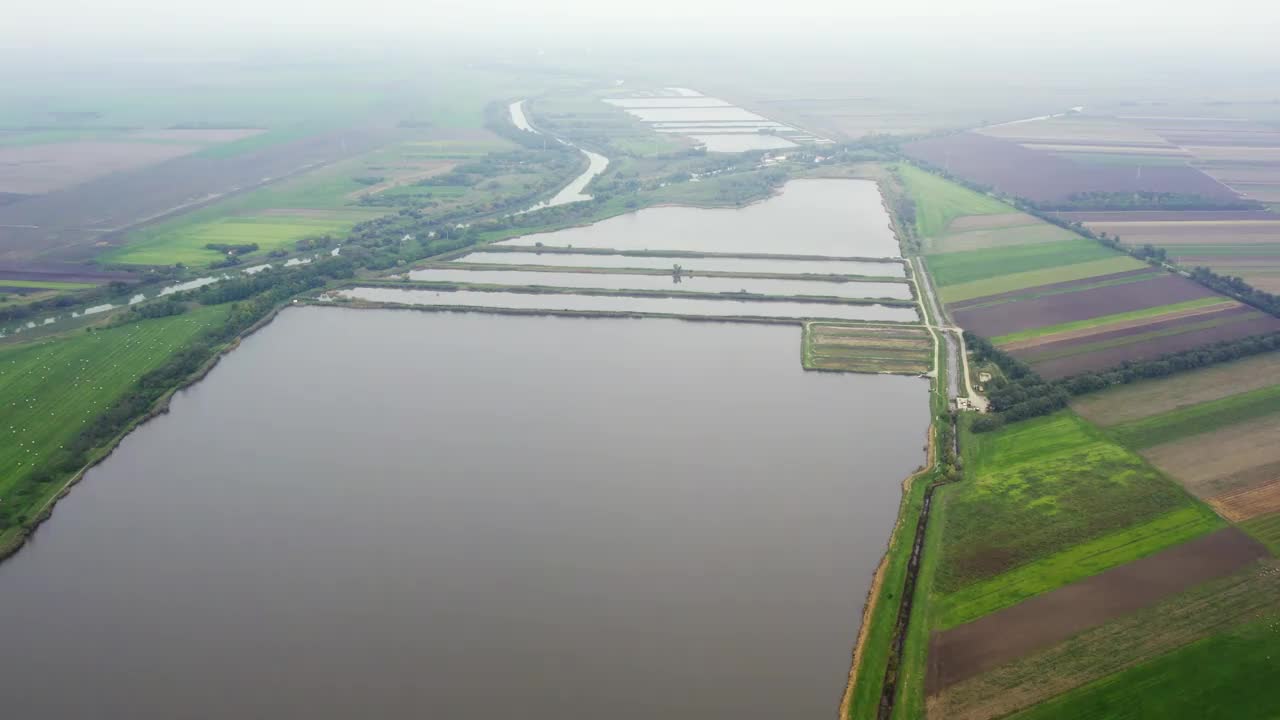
pixel 957 357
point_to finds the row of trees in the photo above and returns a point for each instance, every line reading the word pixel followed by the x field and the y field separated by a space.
pixel 1171 363
pixel 1020 394
pixel 1023 394
pixel 1101 201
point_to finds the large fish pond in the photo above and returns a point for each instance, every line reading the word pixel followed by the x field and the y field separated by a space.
pixel 377 513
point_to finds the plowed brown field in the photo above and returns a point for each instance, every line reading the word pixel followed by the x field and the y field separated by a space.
pixel 1245 503
pixel 1047 620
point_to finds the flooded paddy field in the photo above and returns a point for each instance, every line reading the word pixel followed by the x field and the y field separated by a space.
pixel 581 517
pixel 767 266
pixel 835 218
pixel 685 306
pixel 682 283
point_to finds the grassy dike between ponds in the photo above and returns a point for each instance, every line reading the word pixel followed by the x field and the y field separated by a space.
pixel 889 655
pixel 692 294
pixel 834 278
pixel 877 656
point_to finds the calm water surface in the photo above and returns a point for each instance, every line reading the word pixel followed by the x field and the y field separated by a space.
pixel 717 307
pixel 377 514
pixel 722 264
pixel 741 142
pixel 836 218
pixel 696 283
pixel 696 114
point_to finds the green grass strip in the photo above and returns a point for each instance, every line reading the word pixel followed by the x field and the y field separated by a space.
pixel 1266 530
pixel 1102 320
pixel 1077 563
pixel 1197 419
pixel 939 201
pixel 1142 337
pixel 1033 293
pixel 971 265
pixel 1230 676
pixel 46 284
pixel 1056 273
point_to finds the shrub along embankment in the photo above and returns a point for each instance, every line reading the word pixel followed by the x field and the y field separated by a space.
pixel 874 679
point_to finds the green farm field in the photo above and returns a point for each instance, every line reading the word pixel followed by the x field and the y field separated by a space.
pixel 1229 676
pixel 1035 234
pixel 1265 529
pixel 1079 562
pixel 1126 403
pixel 187 244
pixel 1035 278
pixel 1209 609
pixel 1205 302
pixel 939 201
pixel 967 267
pixel 1033 292
pixel 323 201
pixel 1193 420
pixel 1041 487
pixel 50 390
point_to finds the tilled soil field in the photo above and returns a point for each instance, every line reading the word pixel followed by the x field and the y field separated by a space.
pixel 1044 621
pixel 1215 463
pixel 1065 307
pixel 1044 177
pixel 1151 348
pixel 1246 503
pixel 1167 216
pixel 978 302
pixel 67 224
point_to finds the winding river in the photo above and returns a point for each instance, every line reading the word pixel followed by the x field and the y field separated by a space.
pixel 573 192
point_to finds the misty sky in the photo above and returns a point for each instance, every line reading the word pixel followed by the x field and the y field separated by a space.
pixel 1238 25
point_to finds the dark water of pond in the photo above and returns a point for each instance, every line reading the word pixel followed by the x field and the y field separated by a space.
pixel 834 218
pixel 386 514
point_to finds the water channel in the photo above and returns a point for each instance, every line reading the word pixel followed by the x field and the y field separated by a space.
pixel 573 192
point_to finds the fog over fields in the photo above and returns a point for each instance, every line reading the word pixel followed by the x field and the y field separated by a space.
pixel 680 359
